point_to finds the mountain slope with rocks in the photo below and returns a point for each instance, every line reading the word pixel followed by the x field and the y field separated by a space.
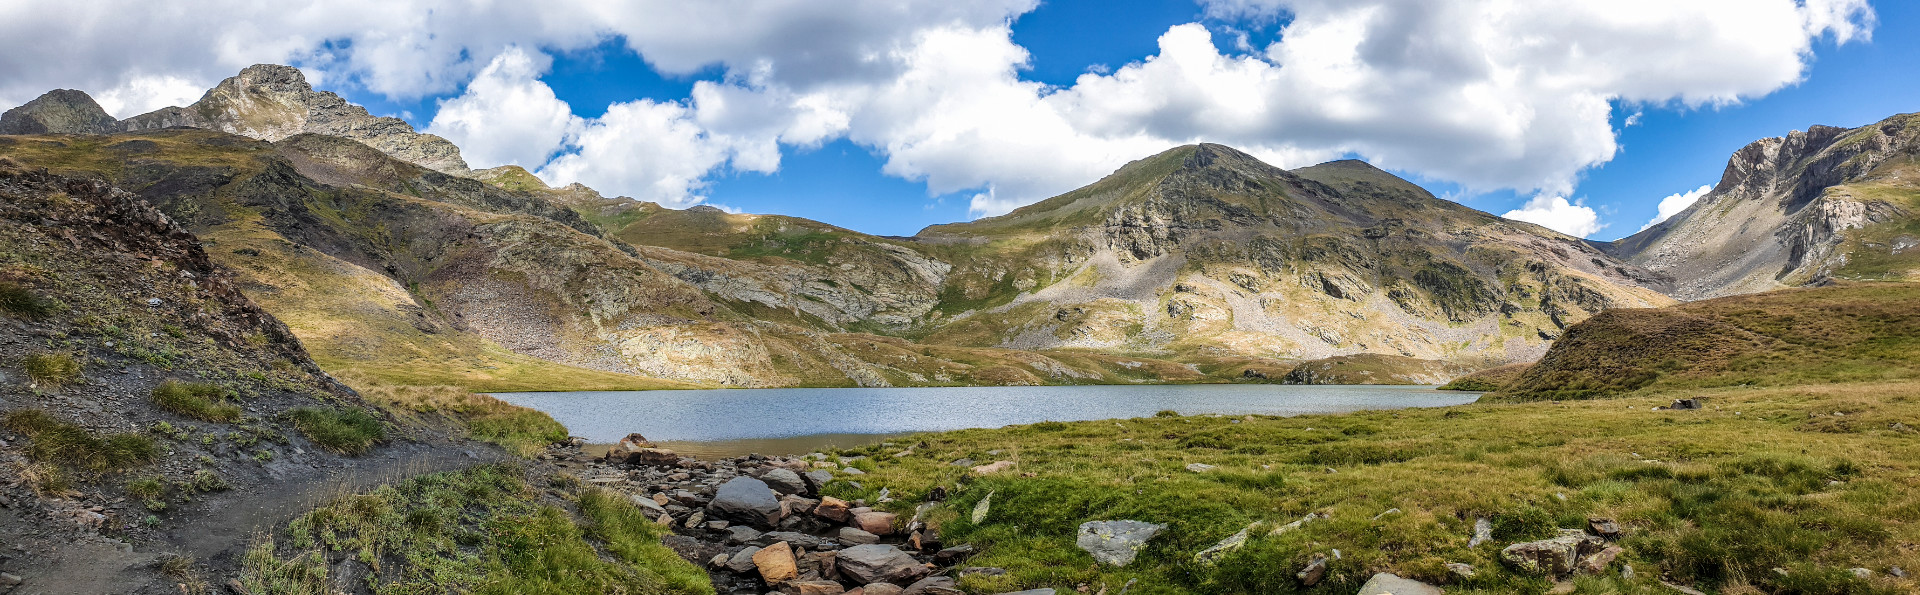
pixel 1826 203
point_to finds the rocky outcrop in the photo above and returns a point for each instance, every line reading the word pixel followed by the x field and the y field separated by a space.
pixel 272 102
pixel 60 111
pixel 1782 210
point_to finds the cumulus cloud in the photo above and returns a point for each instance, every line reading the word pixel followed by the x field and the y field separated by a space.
pixel 506 115
pixel 1674 203
pixel 1556 213
pixel 1490 94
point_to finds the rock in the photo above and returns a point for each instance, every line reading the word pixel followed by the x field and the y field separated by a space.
pixel 718 525
pixel 742 560
pixel 10 579
pixel 1116 542
pixel 1389 584
pixel 877 523
pixel 1599 561
pixel 881 589
pixel 1684 590
pixel 1861 572
pixel 1200 467
pixel 992 468
pixel 776 563
pixel 963 463
pixel 1482 532
pixel 933 585
pixel 719 560
pixel 1626 572
pixel 879 563
pixel 812 588
pixel 785 481
pixel 853 471
pixel 652 507
pixel 791 505
pixel 1212 555
pixel 1313 572
pixel 1311 517
pixel 818 478
pixel 953 555
pixel 801 540
pixel 1041 591
pixel 1551 557
pixel 1603 527
pixel 1460 571
pixel 696 520
pixel 982 571
pixel 856 536
pixel 980 509
pixel 739 534
pixel 746 500
pixel 645 457
pixel 1897 572
pixel 832 509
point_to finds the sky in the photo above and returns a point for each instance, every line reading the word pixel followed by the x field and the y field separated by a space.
pixel 1592 117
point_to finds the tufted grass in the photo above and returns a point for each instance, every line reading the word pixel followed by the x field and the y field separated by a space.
pixel 350 430
pixel 198 400
pixel 51 369
pixel 72 448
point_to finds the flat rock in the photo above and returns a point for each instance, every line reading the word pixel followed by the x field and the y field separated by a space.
pixel 812 588
pixel 746 500
pixel 785 481
pixel 742 561
pixel 879 563
pixel 1116 542
pixel 1389 584
pixel 933 585
pixel 855 536
pixel 739 534
pixel 875 522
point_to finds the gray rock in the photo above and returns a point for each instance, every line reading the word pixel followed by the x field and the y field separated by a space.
pixel 980 509
pixel 800 540
pixel 1388 584
pixel 818 478
pixel 1482 532
pixel 739 534
pixel 933 585
pixel 746 500
pixel 879 563
pixel 1552 557
pixel 1464 571
pixel 1212 555
pixel 1200 467
pixel 653 509
pixel 785 481
pixel 1041 591
pixel 742 560
pixel 854 535
pixel 1116 542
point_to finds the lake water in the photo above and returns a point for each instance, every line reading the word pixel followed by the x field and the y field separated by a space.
pixel 731 422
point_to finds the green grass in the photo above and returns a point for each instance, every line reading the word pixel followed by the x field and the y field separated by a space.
pixel 519 429
pixel 1714 498
pixel 350 430
pixel 1488 380
pixel 198 400
pixel 481 530
pixel 21 302
pixel 53 369
pixel 72 447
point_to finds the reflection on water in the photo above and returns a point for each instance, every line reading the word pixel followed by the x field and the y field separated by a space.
pixel 797 420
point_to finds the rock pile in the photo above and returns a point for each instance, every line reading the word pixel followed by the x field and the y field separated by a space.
pixel 761 523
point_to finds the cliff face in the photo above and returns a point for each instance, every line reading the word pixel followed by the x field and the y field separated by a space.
pixel 1784 211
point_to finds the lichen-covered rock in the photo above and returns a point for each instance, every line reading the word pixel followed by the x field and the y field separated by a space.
pixel 1552 557
pixel 1116 542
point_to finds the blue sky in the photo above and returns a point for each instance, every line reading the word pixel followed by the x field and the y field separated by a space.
pixel 887 116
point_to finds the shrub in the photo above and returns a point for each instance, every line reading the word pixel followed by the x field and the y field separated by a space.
pixel 65 444
pixel 349 430
pixel 198 400
pixel 52 368
pixel 19 301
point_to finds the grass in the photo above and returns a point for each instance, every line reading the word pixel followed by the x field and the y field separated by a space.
pixel 1852 333
pixel 52 369
pixel 519 429
pixel 24 303
pixel 1490 379
pixel 198 400
pixel 1763 478
pixel 481 530
pixel 350 430
pixel 71 447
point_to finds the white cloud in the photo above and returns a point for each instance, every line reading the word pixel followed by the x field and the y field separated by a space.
pixel 1674 203
pixel 506 115
pixel 1487 93
pixel 1555 213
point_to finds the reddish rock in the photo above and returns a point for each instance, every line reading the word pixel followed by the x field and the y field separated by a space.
pixel 776 563
pixel 877 523
pixel 832 509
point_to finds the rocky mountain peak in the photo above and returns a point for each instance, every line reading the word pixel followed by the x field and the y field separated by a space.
pixel 272 102
pixel 60 111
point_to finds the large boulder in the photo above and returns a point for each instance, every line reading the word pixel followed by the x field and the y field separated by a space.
pixel 746 500
pixel 1389 584
pixel 1555 557
pixel 1116 542
pixel 879 563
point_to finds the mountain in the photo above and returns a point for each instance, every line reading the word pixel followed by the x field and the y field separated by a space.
pixel 60 111
pixel 1826 203
pixel 1206 250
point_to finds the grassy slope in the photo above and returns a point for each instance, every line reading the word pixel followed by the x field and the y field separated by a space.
pixel 1855 333
pixel 1715 497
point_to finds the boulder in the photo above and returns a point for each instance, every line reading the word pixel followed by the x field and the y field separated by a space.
pixel 1116 542
pixel 879 563
pixel 817 479
pixel 784 481
pixel 776 563
pixel 933 585
pixel 812 588
pixel 875 522
pixel 855 536
pixel 746 500
pixel 1389 584
pixel 832 509
pixel 1552 557
pixel 742 561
